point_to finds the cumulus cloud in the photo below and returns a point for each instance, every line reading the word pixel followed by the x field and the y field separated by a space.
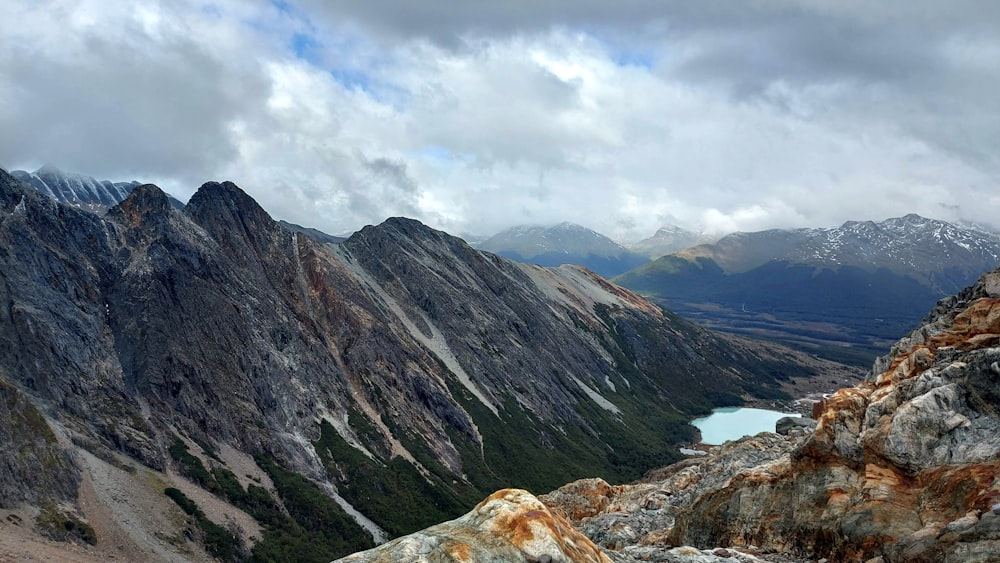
pixel 475 116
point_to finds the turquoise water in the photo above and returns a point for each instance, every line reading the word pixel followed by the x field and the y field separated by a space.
pixel 735 422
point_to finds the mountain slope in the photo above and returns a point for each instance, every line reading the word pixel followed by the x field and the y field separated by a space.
pixel 565 243
pixel 397 377
pixel 855 286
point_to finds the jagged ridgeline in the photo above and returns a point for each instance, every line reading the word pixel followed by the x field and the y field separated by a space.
pixel 404 370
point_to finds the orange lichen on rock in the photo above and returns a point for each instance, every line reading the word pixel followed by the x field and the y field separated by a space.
pixel 510 525
pixel 460 552
pixel 581 499
pixel 907 365
pixel 977 326
pixel 534 529
pixel 982 316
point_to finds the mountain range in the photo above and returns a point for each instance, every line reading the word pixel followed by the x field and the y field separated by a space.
pixel 569 243
pixel 565 243
pixel 670 239
pixel 842 292
pixel 177 382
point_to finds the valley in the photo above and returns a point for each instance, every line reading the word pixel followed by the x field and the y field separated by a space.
pixel 843 293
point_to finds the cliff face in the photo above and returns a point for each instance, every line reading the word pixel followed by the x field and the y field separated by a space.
pixel 404 373
pixel 905 466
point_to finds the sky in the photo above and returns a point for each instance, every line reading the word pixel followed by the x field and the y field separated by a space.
pixel 474 116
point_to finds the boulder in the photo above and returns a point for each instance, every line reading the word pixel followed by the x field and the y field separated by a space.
pixel 511 525
pixel 785 424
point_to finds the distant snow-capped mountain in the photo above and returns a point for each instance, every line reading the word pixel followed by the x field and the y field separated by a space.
pixel 79 190
pixel 914 246
pixel 670 239
pixel 565 243
pixel 98 196
pixel 911 245
pixel 827 289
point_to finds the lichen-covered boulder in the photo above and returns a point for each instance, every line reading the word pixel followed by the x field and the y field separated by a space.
pixel 511 525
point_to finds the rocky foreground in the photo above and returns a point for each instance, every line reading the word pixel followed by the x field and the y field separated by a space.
pixel 904 467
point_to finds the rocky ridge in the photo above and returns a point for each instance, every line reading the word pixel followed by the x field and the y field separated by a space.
pixel 401 361
pixel 510 525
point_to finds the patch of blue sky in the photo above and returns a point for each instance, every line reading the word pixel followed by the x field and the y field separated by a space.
pixel 282 6
pixel 306 48
pixel 210 9
pixel 433 152
pixel 436 154
pixel 622 51
pixel 353 79
pixel 635 59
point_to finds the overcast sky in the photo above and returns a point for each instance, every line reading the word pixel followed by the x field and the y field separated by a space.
pixel 473 116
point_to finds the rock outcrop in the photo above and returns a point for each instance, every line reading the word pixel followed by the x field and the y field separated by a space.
pixel 510 526
pixel 905 466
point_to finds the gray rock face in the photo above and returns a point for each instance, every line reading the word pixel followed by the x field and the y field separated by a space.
pixel 399 357
pixel 621 518
pixel 34 468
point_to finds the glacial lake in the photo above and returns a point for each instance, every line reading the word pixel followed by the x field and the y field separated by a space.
pixel 732 423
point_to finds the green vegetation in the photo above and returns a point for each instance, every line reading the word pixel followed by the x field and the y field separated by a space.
pixel 21 412
pixel 316 529
pixel 63 526
pixel 393 494
pixel 190 466
pixel 642 439
pixel 218 541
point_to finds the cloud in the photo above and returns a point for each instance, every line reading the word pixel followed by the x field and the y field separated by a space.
pixel 121 91
pixel 475 116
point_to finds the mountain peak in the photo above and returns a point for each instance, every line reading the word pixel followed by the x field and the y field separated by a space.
pixel 668 239
pixel 12 191
pixel 400 229
pixel 224 205
pixel 144 203
pixel 48 169
pixel 77 189
pixel 223 191
pixel 564 243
